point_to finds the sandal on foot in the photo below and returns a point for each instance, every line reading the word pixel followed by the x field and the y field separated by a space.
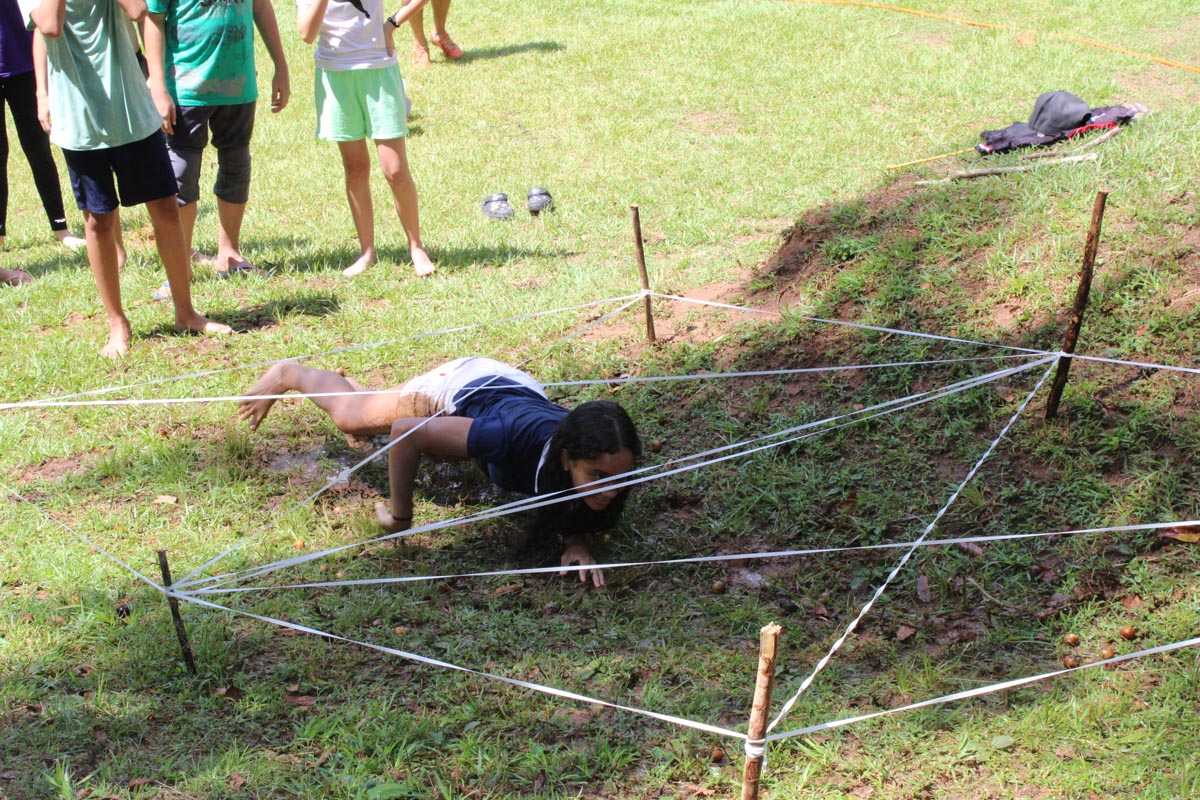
pixel 539 200
pixel 163 292
pixel 420 57
pixel 495 206
pixel 452 51
pixel 245 269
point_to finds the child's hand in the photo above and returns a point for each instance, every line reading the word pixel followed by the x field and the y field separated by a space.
pixel 388 522
pixel 43 111
pixel 577 553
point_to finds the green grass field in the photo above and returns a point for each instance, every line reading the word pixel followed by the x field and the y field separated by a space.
pixel 756 139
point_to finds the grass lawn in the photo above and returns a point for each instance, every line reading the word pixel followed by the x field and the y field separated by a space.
pixel 757 140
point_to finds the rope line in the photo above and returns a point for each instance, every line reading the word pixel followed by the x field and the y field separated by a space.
pixel 639 476
pixel 909 553
pixel 628 379
pixel 751 556
pixel 335 351
pixel 982 690
pixel 550 690
pixel 994 26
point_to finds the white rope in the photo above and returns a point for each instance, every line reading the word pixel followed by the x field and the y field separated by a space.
pixel 78 535
pixel 856 325
pixel 908 554
pixel 1139 364
pixel 531 503
pixel 234 398
pixel 751 556
pixel 335 351
pixel 756 751
pixel 669 718
pixel 983 690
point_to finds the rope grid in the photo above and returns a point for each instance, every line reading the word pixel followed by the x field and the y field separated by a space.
pixel 193 586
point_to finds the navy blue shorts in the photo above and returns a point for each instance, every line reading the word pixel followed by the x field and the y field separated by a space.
pixel 142 172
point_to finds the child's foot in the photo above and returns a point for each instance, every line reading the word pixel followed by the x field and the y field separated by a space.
pixel 119 335
pixel 15 277
pixel 198 323
pixel 422 263
pixel 271 383
pixel 448 46
pixel 421 57
pixel 68 239
pixel 357 268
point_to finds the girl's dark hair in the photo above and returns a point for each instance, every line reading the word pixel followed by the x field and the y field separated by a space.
pixel 591 430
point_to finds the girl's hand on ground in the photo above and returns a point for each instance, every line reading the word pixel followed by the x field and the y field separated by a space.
pixel 578 553
pixel 388 522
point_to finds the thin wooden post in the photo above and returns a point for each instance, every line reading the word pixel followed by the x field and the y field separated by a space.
pixel 641 263
pixel 180 631
pixel 768 640
pixel 1081 301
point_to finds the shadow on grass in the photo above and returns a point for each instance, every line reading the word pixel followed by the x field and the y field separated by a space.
pixel 266 315
pixel 487 53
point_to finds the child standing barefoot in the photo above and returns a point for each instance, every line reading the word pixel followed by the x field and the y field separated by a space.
pixel 360 94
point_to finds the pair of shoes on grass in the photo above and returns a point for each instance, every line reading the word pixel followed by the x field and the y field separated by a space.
pixel 496 206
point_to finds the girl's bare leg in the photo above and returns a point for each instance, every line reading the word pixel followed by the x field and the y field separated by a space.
pixel 356 161
pixel 394 162
pixel 102 256
pixel 353 410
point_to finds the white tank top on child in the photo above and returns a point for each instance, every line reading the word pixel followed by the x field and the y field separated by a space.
pixel 349 39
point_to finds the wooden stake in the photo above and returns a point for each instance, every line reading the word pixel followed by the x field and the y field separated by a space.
pixel 641 262
pixel 1081 301
pixel 768 639
pixel 180 631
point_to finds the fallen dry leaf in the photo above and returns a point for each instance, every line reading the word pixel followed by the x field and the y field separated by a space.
pixel 904 632
pixel 303 700
pixel 923 593
pixel 236 781
pixel 231 692
pixel 1186 534
pixel 166 499
pixel 139 782
pixel 971 549
pixel 1132 602
pixel 512 587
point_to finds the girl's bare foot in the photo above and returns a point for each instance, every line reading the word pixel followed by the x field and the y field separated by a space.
pixel 422 263
pixel 119 335
pixel 197 323
pixel 271 383
pixel 14 277
pixel 357 268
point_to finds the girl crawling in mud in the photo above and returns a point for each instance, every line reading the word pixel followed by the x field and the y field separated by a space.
pixel 482 409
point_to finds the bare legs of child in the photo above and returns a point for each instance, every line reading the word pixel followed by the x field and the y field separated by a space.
pixel 355 410
pixel 100 232
pixel 393 160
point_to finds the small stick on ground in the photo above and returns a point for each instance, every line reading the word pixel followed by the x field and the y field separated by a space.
pixel 980 173
pixel 641 263
pixel 768 640
pixel 180 630
pixel 1081 301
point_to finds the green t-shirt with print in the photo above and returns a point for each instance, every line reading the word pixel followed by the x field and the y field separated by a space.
pixel 98 96
pixel 209 58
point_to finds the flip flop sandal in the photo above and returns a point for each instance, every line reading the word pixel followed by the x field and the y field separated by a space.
pixel 245 269
pixel 495 206
pixel 452 51
pixel 538 200
pixel 163 292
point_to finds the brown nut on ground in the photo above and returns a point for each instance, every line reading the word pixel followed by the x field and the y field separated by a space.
pixel 1071 639
pixel 719 587
pixel 1128 632
pixel 655 445
pixel 1070 662
pixel 1107 652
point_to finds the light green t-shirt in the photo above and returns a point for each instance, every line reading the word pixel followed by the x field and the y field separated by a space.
pixel 209 59
pixel 98 96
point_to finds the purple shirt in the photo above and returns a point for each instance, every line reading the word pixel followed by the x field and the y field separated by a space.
pixel 16 41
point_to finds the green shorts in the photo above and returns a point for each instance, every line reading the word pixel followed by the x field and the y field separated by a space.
pixel 356 104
